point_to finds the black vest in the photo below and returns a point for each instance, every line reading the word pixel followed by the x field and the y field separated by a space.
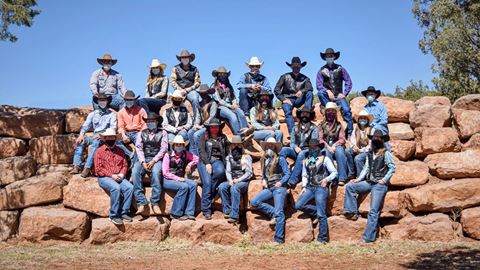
pixel 185 78
pixel 156 88
pixel 292 85
pixel 378 168
pixel 316 171
pixel 276 175
pixel 335 81
pixel 266 120
pixel 178 167
pixel 236 167
pixel 220 155
pixel 249 80
pixel 331 137
pixel 182 117
pixel 306 137
pixel 151 147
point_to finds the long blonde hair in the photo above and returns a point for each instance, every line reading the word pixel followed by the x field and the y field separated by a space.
pixel 274 163
pixel 153 79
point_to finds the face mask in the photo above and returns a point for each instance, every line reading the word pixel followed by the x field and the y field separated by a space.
pixel 102 104
pixel 110 143
pixel 179 148
pixel 330 116
pixel 296 69
pixel 223 79
pixel 129 103
pixel 363 122
pixel 305 119
pixel 107 67
pixel 254 70
pixel 155 71
pixel 185 61
pixel 269 153
pixel 370 99
pixel 329 60
pixel 177 103
pixel 237 153
pixel 314 152
pixel 377 144
pixel 152 125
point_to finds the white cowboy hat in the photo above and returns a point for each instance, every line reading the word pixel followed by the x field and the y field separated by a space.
pixel 109 132
pixel 156 63
pixel 254 61
pixel 331 106
pixel 177 94
pixel 178 140
pixel 364 113
pixel 271 141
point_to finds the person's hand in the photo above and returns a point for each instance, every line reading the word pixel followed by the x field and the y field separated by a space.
pixel 197 127
pixel 235 106
pixel 125 139
pixel 330 95
pixel 181 179
pixel 264 184
pixel 298 149
pixel 287 101
pixel 79 140
pixel 381 182
pixel 331 149
pixel 188 169
pixel 150 164
pixel 209 168
pixel 303 190
pixel 340 96
pixel 278 184
pixel 356 180
pixel 188 89
pixel 116 177
pixel 257 87
pixel 355 149
pixel 324 183
pixel 236 180
pixel 298 94
pixel 145 166
pixel 270 128
pixel 231 183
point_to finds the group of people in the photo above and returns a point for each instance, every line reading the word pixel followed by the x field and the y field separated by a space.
pixel 169 136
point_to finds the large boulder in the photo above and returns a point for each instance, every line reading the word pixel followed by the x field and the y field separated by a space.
pixel 443 196
pixel 433 227
pixel 410 174
pixel 150 229
pixel 436 140
pixel 8 224
pixel 392 207
pixel 16 168
pixel 57 149
pixel 12 147
pixel 342 229
pixel 357 104
pixel 431 112
pixel 32 191
pixel 433 100
pixel 472 143
pixel 467 122
pixel 75 117
pixel 398 109
pixel 403 150
pixel 27 123
pixel 455 165
pixel 470 222
pixel 52 168
pixel 86 195
pixel 400 131
pixel 468 102
pixel 53 223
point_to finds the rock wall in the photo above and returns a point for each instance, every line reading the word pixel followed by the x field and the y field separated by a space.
pixel 434 195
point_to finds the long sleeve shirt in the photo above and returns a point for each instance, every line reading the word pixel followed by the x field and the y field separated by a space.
pixel 173 129
pixel 173 80
pixel 109 84
pixel 244 83
pixel 288 85
pixel 327 162
pixel 391 168
pixel 285 170
pixel 259 126
pixel 109 161
pixel 131 119
pixel 380 115
pixel 217 98
pixel 346 79
pixel 293 139
pixel 248 169
pixel 157 89
pixel 191 159
pixel 99 120
pixel 163 146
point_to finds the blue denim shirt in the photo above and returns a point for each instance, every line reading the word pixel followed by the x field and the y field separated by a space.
pixel 109 84
pixel 390 164
pixel 242 83
pixel 99 120
pixel 380 115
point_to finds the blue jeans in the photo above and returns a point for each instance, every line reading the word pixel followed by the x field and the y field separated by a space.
pixel 245 102
pixel 210 183
pixel 341 158
pixel 350 161
pixel 152 104
pixel 263 135
pixel 377 195
pixel 306 98
pixel 194 136
pixel 117 103
pixel 231 195
pixel 319 210
pixel 279 194
pixel 182 133
pixel 94 143
pixel 194 98
pixel 344 108
pixel 235 118
pixel 155 176
pixel 186 193
pixel 120 195
pixel 360 161
pixel 132 136
pixel 297 168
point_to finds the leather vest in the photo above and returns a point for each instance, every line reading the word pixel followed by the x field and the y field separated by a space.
pixel 293 85
pixel 236 168
pixel 182 117
pixel 331 137
pixel 307 135
pixel 151 147
pixel 334 81
pixel 209 145
pixel 378 167
pixel 185 78
pixel 155 88
pixel 316 171
pixel 249 80
pixel 277 173
pixel 266 120
pixel 177 167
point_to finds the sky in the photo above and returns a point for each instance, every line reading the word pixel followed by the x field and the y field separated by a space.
pixel 51 63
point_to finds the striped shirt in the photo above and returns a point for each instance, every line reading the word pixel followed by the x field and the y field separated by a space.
pixel 109 161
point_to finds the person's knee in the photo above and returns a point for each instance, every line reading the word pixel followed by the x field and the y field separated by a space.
pixel 254 203
pixel 299 205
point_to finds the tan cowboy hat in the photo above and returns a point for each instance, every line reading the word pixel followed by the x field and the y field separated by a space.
pixel 221 69
pixel 109 132
pixel 364 113
pixel 178 140
pixel 331 106
pixel 176 94
pixel 107 57
pixel 271 141
pixel 254 61
pixel 184 54
pixel 235 140
pixel 156 63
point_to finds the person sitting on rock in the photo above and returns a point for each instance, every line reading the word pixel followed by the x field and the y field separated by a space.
pixel 275 174
pixel 108 82
pixel 303 132
pixel 156 89
pixel 151 146
pixel 213 150
pixel 374 178
pixel 317 174
pixel 176 166
pixel 130 121
pixel 177 119
pixel 294 89
pixel 264 118
pixel 98 120
pixel 359 144
pixel 239 171
pixel 332 134
pixel 111 168
pixel 376 108
pixel 250 85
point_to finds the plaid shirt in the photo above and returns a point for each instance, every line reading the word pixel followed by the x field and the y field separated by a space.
pixel 109 161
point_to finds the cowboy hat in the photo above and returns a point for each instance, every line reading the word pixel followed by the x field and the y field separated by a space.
pixel 315 142
pixel 213 122
pixel 221 69
pixel 235 140
pixel 330 51
pixel 254 61
pixel 109 132
pixel 186 54
pixel 106 57
pixel 306 109
pixel 271 141
pixel 297 60
pixel 178 139
pixel 331 106
pixel 371 89
pixel 176 94
pixel 205 89
pixel 130 95
pixel 364 113
pixel 378 132
pixel 153 116
pixel 156 63
pixel 102 96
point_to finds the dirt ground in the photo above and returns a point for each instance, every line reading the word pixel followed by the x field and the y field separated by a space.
pixel 175 254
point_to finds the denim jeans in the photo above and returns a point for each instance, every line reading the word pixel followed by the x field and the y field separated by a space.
pixel 231 195
pixel 132 136
pixel 186 193
pixel 117 103
pixel 155 176
pixel 236 118
pixel 341 158
pixel 350 161
pixel 306 98
pixel 194 136
pixel 210 182
pixel 245 102
pixel 94 143
pixel 319 210
pixel 344 108
pixel 297 168
pixel 377 196
pixel 263 135
pixel 194 98
pixel 279 194
pixel 182 133
pixel 360 161
pixel 152 104
pixel 120 195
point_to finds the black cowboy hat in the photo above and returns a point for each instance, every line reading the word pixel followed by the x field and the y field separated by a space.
pixel 305 109
pixel 214 122
pixel 296 59
pixel 378 132
pixel 315 142
pixel 371 88
pixel 330 51
pixel 130 95
pixel 102 96
pixel 221 69
pixel 153 116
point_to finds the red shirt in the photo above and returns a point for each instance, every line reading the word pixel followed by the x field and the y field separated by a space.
pixel 109 161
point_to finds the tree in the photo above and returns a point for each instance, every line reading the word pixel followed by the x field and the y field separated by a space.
pixel 16 12
pixel 452 35
pixel 415 91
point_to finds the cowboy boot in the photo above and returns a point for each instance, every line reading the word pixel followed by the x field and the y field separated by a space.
pixel 85 172
pixel 76 169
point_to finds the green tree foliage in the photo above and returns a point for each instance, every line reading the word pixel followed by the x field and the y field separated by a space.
pixel 415 91
pixel 15 12
pixel 452 36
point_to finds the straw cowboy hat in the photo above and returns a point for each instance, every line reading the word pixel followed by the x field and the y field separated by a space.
pixel 254 61
pixel 176 94
pixel 330 51
pixel 364 113
pixel 186 54
pixel 371 89
pixel 305 109
pixel 153 116
pixel 178 139
pixel 102 96
pixel 130 95
pixel 378 132
pixel 221 69
pixel 109 132
pixel 271 141
pixel 106 57
pixel 157 64
pixel 297 60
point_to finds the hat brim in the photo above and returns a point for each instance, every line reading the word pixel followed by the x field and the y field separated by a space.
pixel 132 98
pixel 191 56
pixel 336 55
pixel 303 64
pixel 254 64
pixel 312 114
pixel 386 138
pixel 159 119
pixel 378 92
pixel 215 73
pixel 278 146
pixel 370 118
pixel 95 99
pixel 161 66
pixel 99 60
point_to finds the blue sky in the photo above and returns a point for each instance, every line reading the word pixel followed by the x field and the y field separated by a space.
pixel 51 63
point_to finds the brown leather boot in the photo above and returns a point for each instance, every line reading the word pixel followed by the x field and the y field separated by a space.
pixel 85 172
pixel 76 170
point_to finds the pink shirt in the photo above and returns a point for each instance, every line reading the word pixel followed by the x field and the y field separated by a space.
pixel 191 159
